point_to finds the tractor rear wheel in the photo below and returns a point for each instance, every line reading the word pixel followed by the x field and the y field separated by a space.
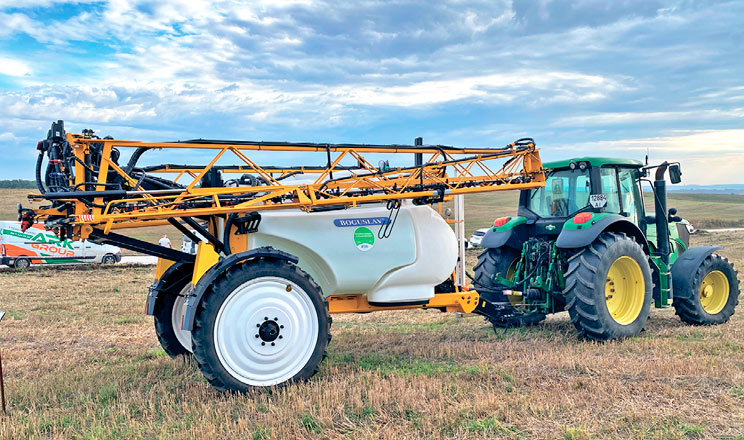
pixel 169 311
pixel 502 261
pixel 609 288
pixel 261 324
pixel 715 290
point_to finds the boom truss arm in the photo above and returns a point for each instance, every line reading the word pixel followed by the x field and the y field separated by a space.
pixel 90 189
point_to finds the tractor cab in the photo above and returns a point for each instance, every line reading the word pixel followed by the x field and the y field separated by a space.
pixel 591 185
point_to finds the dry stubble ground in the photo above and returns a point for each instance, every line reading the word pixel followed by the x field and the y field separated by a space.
pixel 81 360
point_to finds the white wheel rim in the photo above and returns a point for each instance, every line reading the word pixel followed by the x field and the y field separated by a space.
pixel 177 313
pixel 242 314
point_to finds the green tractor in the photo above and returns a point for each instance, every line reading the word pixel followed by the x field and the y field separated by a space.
pixel 584 243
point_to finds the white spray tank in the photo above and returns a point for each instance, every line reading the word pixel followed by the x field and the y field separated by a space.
pixel 344 253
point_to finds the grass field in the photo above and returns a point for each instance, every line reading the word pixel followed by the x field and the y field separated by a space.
pixel 82 361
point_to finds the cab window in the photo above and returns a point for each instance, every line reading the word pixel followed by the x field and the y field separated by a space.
pixel 629 193
pixel 609 188
pixel 565 192
pixel 624 199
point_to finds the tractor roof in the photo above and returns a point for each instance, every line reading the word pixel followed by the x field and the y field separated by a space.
pixel 594 161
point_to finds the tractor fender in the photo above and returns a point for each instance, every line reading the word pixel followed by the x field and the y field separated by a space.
pixel 684 269
pixel 172 278
pixel 512 238
pixel 578 238
pixel 223 265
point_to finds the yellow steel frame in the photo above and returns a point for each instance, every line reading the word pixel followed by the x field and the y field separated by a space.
pixel 451 171
pixel 464 302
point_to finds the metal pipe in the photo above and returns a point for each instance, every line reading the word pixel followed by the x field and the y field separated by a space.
pixel 2 383
pixel 109 193
pixel 206 234
pixel 184 230
pixel 660 206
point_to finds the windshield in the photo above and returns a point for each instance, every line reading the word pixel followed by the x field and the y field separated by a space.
pixel 565 192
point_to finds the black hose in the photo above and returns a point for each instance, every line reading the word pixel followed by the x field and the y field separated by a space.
pixel 387 229
pixel 39 183
pixel 133 160
pixel 47 178
pixel 226 235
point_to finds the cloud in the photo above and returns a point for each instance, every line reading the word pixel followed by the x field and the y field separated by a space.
pixel 13 67
pixel 502 87
pixel 609 118
pixel 690 143
pixel 28 4
pixel 707 157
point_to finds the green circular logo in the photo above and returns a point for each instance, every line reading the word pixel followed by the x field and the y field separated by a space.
pixel 364 239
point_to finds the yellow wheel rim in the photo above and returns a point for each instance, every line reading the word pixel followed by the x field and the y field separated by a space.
pixel 510 272
pixel 625 290
pixel 714 292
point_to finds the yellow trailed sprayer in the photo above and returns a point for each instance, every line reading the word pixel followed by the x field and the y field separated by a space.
pixel 279 248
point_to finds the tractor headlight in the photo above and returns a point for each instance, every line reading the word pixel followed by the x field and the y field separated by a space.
pixel 582 166
pixel 572 165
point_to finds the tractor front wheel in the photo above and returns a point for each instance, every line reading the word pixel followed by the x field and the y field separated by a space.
pixel 261 324
pixel 609 288
pixel 715 290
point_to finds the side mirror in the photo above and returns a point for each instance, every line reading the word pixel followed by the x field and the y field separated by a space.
pixel 675 174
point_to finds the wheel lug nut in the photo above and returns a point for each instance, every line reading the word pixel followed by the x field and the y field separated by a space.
pixel 272 344
pixel 266 318
pixel 256 335
pixel 276 319
pixel 281 326
pixel 263 343
pixel 281 337
pixel 258 325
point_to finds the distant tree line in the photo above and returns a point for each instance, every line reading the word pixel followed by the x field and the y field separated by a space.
pixel 17 183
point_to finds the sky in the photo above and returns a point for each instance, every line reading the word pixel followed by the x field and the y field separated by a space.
pixel 582 77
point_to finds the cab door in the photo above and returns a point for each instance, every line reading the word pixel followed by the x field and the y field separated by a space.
pixel 620 185
pixel 630 194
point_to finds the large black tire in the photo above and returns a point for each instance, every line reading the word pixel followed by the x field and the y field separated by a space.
pixel 592 291
pixel 286 330
pixel 175 342
pixel 498 261
pixel 715 290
